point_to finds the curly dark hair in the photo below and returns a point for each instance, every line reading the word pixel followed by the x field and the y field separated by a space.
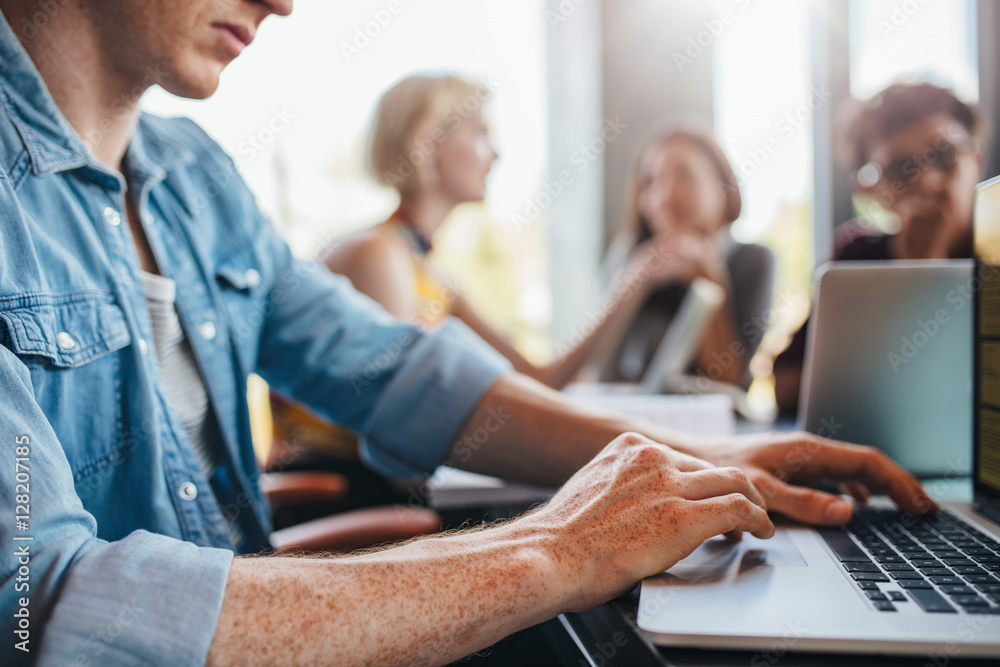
pixel 897 107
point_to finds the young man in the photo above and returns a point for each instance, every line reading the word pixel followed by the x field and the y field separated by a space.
pixel 127 238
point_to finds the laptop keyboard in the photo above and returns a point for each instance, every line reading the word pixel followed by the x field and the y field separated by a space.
pixel 940 563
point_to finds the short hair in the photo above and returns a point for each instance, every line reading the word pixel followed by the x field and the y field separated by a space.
pixel 414 110
pixel 896 108
pixel 698 132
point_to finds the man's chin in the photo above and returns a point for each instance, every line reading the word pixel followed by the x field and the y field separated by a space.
pixel 195 86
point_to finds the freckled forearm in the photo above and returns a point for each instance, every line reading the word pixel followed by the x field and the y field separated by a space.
pixel 428 602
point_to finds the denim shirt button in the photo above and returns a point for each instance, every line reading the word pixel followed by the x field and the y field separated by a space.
pixel 252 276
pixel 143 346
pixel 188 491
pixel 148 218
pixel 65 341
pixel 112 216
pixel 207 330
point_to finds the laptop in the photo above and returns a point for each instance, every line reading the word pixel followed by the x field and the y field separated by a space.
pixel 665 373
pixel 889 361
pixel 679 344
pixel 888 583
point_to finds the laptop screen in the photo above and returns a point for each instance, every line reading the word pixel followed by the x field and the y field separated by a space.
pixel 985 285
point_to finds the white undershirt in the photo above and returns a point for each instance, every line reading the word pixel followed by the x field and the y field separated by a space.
pixel 185 387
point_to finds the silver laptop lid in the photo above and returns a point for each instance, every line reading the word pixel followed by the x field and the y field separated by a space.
pixel 889 361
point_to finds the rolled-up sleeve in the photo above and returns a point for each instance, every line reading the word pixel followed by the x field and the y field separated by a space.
pixel 136 601
pixel 404 390
pixel 441 380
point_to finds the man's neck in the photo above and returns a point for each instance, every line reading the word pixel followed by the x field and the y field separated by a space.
pixel 99 100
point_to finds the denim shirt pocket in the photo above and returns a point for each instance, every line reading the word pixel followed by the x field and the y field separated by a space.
pixel 66 340
pixel 241 283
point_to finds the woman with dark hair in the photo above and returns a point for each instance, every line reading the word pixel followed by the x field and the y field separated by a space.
pixel 917 151
pixel 681 200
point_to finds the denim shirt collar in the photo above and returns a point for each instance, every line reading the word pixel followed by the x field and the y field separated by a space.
pixel 51 142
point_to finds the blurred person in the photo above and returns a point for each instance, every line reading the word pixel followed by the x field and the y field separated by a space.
pixel 681 200
pixel 428 146
pixel 917 151
pixel 144 485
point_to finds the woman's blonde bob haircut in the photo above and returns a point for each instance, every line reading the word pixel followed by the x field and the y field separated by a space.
pixel 411 117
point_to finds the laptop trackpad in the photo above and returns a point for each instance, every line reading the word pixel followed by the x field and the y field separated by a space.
pixel 719 557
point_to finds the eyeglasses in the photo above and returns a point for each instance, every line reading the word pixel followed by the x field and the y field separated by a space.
pixel 902 173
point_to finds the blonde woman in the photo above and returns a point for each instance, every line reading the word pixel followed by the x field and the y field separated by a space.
pixel 430 143
pixel 682 198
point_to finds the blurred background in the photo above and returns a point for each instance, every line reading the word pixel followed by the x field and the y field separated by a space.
pixel 295 108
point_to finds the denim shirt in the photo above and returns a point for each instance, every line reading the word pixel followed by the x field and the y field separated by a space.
pixel 123 553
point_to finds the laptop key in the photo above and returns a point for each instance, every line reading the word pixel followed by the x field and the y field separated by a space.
pixel 884 605
pixel 989 587
pixel 986 560
pixel 897 596
pixel 897 567
pixel 980 609
pixel 913 583
pixel 842 545
pixel 856 566
pixel 889 558
pixel 951 580
pixel 982 579
pixel 957 590
pixel 968 569
pixel 926 562
pixel 937 571
pixel 951 561
pixel 868 585
pixel 966 600
pixel 876 595
pixel 869 576
pixel 909 575
pixel 931 601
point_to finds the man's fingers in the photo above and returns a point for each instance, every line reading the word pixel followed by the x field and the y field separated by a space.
pixel 840 462
pixel 719 482
pixel 804 504
pixel 734 512
pixel 856 490
pixel 687 463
